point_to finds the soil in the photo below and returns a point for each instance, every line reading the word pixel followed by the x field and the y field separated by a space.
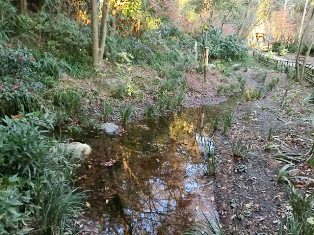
pixel 277 128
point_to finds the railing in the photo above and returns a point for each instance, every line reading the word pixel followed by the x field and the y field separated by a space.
pixel 282 64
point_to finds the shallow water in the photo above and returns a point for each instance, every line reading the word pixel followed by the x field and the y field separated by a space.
pixel 152 179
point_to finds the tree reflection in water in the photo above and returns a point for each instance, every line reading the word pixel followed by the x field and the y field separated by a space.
pixel 157 184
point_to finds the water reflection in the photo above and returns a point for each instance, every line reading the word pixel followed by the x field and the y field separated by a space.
pixel 156 184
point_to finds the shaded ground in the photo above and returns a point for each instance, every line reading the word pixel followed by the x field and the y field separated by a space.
pixel 248 197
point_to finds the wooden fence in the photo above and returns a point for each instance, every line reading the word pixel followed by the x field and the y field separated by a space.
pixel 282 64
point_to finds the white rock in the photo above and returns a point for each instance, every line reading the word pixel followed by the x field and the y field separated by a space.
pixel 76 149
pixel 111 129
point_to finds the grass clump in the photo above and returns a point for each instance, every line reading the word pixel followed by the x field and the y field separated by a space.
pixel 300 220
pixel 209 226
pixel 240 149
pixel 227 121
pixel 107 110
pixel 253 94
pixel 126 113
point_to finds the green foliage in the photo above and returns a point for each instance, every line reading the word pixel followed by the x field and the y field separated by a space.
pixel 301 219
pixel 261 76
pixel 285 173
pixel 233 87
pixel 293 47
pixel 233 50
pixel 35 183
pixel 254 94
pixel 227 121
pixel 20 83
pixel 277 46
pixel 126 113
pixel 68 100
pixel 58 34
pixel 214 123
pixel 107 110
pixel 225 47
pixel 151 112
pixel 240 149
pixel 51 65
pixel 211 163
pixel 273 83
pixel 304 49
pixel 58 203
pixel 25 78
pixel 12 201
pixel 28 155
pixel 209 226
pixel 8 20
pixel 290 72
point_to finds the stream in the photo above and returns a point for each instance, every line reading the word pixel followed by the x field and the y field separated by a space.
pixel 152 179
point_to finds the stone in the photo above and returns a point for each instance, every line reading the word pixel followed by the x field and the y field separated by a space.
pixel 110 86
pixel 236 66
pixel 75 149
pixel 111 129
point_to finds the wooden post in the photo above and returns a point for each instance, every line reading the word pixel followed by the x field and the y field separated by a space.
pixel 195 51
pixel 205 62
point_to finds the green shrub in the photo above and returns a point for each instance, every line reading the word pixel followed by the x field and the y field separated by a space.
pixel 25 78
pixel 13 211
pixel 277 46
pixel 225 47
pixel 232 50
pixel 8 20
pixel 69 100
pixel 35 182
pixel 293 47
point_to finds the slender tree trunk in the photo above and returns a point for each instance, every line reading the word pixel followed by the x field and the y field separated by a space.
pixel 299 74
pixel 103 29
pixel 240 32
pixel 99 35
pixel 307 54
pixel 23 7
pixel 95 43
pixel 303 17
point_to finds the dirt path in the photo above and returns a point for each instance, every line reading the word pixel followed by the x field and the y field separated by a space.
pixel 248 196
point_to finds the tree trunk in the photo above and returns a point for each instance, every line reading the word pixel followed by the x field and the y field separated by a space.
pixel 307 54
pixel 95 32
pixel 240 32
pixel 99 35
pixel 299 74
pixel 23 7
pixel 103 29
